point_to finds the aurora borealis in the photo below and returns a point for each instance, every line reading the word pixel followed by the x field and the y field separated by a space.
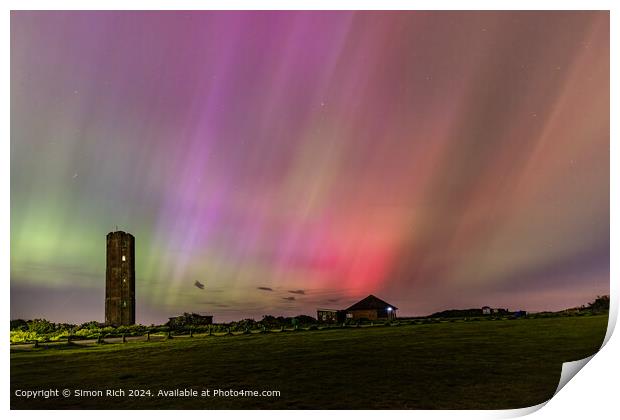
pixel 292 160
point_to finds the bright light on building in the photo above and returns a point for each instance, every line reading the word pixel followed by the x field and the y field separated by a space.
pixel 389 308
pixel 123 258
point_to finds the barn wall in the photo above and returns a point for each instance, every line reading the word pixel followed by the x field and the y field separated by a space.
pixel 366 313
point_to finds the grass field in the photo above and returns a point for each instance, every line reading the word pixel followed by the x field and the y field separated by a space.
pixel 452 365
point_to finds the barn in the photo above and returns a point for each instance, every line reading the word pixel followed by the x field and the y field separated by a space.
pixel 371 308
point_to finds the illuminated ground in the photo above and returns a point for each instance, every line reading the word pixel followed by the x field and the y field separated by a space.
pixel 483 365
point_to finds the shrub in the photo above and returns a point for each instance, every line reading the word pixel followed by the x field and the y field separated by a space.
pixel 87 333
pixel 41 326
pixel 600 304
pixel 19 336
pixel 59 335
pixel 19 324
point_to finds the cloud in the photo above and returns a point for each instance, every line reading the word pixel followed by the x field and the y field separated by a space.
pixel 289 298
pixel 333 300
pixel 298 292
pixel 199 285
pixel 268 289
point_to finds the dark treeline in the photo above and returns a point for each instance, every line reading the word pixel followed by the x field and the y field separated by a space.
pixel 599 305
pixel 43 330
pixel 460 313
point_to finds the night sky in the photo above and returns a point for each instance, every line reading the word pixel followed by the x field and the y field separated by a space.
pixel 286 161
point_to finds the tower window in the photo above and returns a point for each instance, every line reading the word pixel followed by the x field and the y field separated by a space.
pixel 124 304
pixel 123 258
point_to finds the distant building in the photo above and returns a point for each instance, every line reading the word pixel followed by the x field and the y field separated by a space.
pixel 120 279
pixel 330 315
pixel 187 320
pixel 372 308
pixel 487 310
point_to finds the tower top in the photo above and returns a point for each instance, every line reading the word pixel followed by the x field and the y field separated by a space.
pixel 120 233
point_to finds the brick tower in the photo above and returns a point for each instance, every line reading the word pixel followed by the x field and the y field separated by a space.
pixel 120 279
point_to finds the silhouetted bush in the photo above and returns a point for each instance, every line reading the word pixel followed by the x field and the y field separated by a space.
pixel 600 304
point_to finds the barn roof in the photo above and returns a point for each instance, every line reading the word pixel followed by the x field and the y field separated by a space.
pixel 370 302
